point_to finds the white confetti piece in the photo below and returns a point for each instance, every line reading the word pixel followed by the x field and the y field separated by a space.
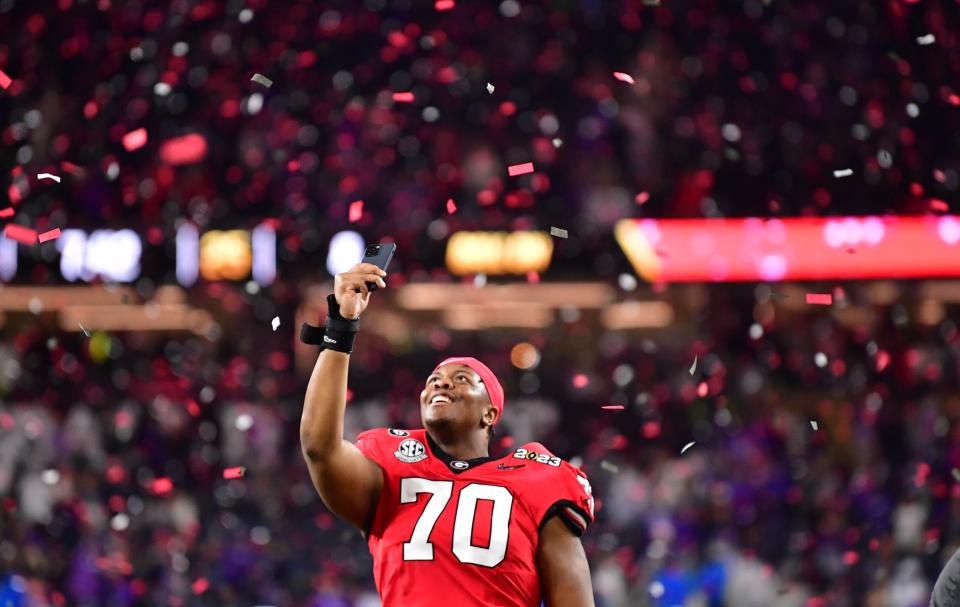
pixel 687 446
pixel 48 176
pixel 560 232
pixel 623 77
pixel 261 79
pixel 490 88
pixel 925 40
pixel 275 322
pixel 608 466
pixel 85 332
pixel 814 424
pixel 557 142
pixel 843 173
pixel 693 368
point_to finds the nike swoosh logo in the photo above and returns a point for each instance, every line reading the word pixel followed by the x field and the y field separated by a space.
pixel 502 467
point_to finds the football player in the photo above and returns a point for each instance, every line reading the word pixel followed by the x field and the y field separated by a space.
pixel 446 523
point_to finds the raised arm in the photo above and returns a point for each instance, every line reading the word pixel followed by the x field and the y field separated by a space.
pixel 562 567
pixel 348 483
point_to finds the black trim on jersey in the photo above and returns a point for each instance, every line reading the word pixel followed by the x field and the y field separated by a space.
pixel 557 510
pixel 446 459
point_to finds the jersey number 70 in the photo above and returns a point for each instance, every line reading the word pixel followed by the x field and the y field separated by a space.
pixel 419 548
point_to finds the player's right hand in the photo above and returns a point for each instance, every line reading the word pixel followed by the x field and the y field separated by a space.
pixel 350 288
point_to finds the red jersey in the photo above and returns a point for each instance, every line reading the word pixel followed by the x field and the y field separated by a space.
pixel 465 533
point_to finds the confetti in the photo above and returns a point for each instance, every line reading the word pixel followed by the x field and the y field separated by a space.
pixel 612 407
pixel 50 235
pixel 490 88
pixel 406 97
pixel 642 197
pixel 533 277
pixel 134 140
pixel 956 474
pixel 444 5
pixel 85 332
pixel 843 173
pixel 200 585
pixel 275 323
pixel 703 389
pixel 623 77
pixel 559 232
pixel 824 299
pixel 20 233
pixel 161 486
pixel 4 80
pixel 356 211
pixel 557 142
pixel 925 40
pixel 237 472
pixel 608 466
pixel 687 446
pixel 693 367
pixel 939 205
pixel 184 150
pixel 451 206
pixel 814 424
pixel 48 176
pixel 261 79
pixel 7 212
pixel 520 169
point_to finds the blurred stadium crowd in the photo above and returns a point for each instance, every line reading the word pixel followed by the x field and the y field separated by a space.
pixel 112 446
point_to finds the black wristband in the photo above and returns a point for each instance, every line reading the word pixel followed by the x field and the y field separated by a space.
pixel 338 333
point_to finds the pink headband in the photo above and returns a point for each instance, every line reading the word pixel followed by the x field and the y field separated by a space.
pixel 494 389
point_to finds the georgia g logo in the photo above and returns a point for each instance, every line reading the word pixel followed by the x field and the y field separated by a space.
pixel 395 432
pixel 411 451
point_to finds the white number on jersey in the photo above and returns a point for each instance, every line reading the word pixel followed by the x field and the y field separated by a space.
pixel 419 547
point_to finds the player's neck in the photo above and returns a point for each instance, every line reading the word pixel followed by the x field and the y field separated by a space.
pixel 467 447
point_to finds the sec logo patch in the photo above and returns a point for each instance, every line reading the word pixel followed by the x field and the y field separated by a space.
pixel 411 451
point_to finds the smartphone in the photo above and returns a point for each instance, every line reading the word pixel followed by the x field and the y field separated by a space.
pixel 379 255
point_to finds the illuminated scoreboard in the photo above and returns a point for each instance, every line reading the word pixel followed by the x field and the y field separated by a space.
pixel 117 255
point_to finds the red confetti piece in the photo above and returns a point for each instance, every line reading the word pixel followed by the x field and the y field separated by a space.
pixel 184 150
pixel 7 212
pixel 451 206
pixel 4 80
pixel 444 5
pixel 50 235
pixel 580 380
pixel 356 210
pixel 20 234
pixel 642 197
pixel 883 359
pixel 161 486
pixel 533 277
pixel 824 299
pixel 193 408
pixel 702 389
pixel 406 97
pixel 612 407
pixel 134 140
pixel 237 472
pixel 520 169
pixel 954 99
pixel 623 77
pixel 938 205
pixel 200 585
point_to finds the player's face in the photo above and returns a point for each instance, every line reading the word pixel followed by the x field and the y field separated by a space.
pixel 454 398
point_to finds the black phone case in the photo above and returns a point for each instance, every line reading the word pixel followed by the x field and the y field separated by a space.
pixel 381 260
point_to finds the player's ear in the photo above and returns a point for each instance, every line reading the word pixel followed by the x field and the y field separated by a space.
pixel 490 415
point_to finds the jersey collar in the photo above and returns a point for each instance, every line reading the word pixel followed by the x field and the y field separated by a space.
pixel 455 465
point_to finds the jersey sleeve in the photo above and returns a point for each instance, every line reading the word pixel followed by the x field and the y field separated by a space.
pixel 370 443
pixel 562 491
